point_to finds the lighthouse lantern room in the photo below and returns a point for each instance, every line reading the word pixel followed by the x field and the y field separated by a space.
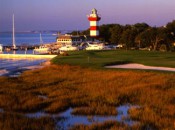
pixel 94 23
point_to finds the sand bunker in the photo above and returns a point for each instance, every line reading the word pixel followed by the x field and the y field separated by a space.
pixel 140 66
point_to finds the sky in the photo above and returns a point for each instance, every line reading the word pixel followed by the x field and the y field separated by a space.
pixel 72 14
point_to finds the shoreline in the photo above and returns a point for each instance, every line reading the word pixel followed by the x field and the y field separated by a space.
pixel 26 56
pixel 19 70
pixel 140 67
pixel 41 65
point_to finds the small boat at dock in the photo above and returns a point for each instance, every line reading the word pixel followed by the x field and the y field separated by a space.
pixel 68 48
pixel 95 46
pixel 43 49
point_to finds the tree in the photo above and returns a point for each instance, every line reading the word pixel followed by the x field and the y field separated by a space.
pixel 152 37
pixel 141 34
pixel 116 32
pixel 104 32
pixel 75 33
pixel 171 27
pixel 171 31
pixel 157 35
pixel 141 27
pixel 143 39
pixel 86 32
pixel 128 37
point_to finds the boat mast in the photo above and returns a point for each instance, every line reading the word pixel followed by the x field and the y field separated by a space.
pixel 13 39
pixel 41 40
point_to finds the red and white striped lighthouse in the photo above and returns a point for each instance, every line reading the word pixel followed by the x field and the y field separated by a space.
pixel 94 23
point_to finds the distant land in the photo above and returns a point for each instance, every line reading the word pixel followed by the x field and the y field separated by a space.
pixel 41 31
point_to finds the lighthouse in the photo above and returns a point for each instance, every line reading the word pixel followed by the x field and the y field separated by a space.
pixel 94 23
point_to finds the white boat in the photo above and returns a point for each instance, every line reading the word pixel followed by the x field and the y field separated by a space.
pixel 13 35
pixel 96 46
pixel 55 34
pixel 68 48
pixel 1 48
pixel 43 49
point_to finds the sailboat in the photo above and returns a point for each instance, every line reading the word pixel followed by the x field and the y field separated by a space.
pixel 13 35
pixel 43 49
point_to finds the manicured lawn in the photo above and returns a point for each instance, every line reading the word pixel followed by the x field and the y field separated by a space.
pixel 98 59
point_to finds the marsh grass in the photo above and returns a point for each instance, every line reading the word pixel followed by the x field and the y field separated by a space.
pixel 13 121
pixel 92 92
pixel 108 125
pixel 95 109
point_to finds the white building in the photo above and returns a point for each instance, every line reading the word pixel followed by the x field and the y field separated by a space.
pixel 70 40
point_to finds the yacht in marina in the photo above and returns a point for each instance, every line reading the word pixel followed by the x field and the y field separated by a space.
pixel 68 48
pixel 95 46
pixel 43 49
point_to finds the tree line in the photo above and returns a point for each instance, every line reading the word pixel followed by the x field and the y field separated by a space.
pixel 139 35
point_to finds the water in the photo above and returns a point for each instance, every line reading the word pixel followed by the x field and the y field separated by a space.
pixel 14 67
pixel 1 110
pixel 19 52
pixel 26 38
pixel 70 120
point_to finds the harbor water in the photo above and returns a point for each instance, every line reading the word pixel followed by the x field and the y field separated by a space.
pixel 26 38
pixel 14 67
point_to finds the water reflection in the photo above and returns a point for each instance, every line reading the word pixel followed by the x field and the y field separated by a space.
pixel 42 96
pixel 1 110
pixel 69 119
pixel 19 52
pixel 14 67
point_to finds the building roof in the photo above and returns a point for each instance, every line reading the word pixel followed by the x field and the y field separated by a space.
pixel 64 37
pixel 70 37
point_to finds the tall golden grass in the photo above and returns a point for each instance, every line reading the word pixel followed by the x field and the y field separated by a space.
pixel 91 91
pixel 9 121
pixel 108 125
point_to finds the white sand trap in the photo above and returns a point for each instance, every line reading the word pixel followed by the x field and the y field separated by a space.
pixel 140 66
